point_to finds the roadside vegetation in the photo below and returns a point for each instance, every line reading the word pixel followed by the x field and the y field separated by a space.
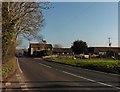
pixel 8 68
pixel 19 19
pixel 105 65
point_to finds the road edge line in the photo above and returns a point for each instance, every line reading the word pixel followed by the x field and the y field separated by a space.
pixel 19 66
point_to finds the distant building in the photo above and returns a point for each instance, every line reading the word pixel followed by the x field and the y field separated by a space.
pixel 62 51
pixel 36 47
pixel 103 50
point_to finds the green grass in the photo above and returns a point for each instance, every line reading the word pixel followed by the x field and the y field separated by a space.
pixel 105 65
pixel 8 68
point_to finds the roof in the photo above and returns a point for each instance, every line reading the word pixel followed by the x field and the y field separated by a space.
pixel 104 49
pixel 60 50
pixel 36 45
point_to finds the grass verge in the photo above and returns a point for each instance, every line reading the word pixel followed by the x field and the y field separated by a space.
pixel 105 65
pixel 8 68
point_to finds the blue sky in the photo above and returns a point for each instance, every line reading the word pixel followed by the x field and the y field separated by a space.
pixel 92 22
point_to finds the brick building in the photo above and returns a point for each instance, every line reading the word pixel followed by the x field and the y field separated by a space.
pixel 36 47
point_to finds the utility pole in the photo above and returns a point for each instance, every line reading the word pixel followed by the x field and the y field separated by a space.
pixel 109 40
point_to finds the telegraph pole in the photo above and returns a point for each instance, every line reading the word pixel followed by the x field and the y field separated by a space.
pixel 109 40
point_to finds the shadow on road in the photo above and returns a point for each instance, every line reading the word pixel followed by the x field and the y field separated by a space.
pixel 59 86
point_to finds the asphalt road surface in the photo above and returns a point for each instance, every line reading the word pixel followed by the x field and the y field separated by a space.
pixel 37 75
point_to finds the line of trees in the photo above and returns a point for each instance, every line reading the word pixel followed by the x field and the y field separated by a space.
pixel 20 18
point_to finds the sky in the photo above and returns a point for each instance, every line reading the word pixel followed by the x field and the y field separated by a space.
pixel 61 0
pixel 92 22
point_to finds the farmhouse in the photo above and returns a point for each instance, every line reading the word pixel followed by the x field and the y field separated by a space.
pixel 36 47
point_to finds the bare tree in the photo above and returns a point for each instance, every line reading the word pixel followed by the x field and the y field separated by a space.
pixel 18 42
pixel 57 46
pixel 39 38
pixel 26 17
pixel 20 18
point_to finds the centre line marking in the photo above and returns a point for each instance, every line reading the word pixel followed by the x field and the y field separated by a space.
pixel 91 80
pixel 45 65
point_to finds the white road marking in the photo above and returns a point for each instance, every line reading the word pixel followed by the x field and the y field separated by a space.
pixel 7 84
pixel 24 87
pixel 45 65
pixel 84 78
pixel 79 76
pixel 101 72
pixel 19 66
pixel 17 75
pixel 91 80
pixel 19 78
pixel 108 85
pixel 94 71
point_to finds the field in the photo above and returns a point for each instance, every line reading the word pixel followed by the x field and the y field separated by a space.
pixel 106 65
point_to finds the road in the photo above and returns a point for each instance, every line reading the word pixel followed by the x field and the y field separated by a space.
pixel 35 74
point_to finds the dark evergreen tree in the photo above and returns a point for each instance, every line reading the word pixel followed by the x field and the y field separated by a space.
pixel 79 47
